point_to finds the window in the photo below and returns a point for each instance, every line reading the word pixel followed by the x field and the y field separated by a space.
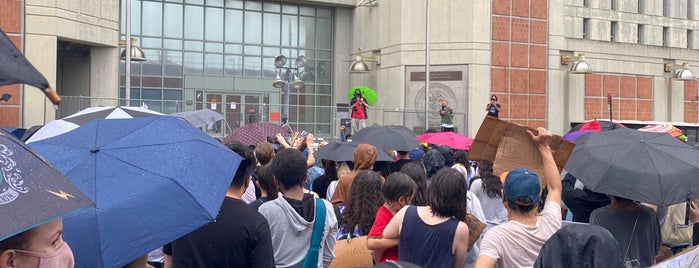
pixel 586 3
pixel 690 9
pixel 666 36
pixel 640 6
pixel 639 34
pixel 614 4
pixel 613 31
pixel 586 28
pixel 229 38
pixel 690 39
pixel 666 8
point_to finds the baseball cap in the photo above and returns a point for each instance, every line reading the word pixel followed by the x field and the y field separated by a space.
pixel 521 186
pixel 416 154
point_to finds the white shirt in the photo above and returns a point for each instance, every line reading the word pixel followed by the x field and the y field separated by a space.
pixel 514 244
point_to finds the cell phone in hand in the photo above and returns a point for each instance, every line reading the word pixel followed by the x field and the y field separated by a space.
pixel 303 134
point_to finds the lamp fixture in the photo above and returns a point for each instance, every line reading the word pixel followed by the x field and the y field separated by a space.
pixel 579 65
pixel 6 97
pixel 136 52
pixel 359 64
pixel 278 83
pixel 290 80
pixel 682 72
pixel 280 61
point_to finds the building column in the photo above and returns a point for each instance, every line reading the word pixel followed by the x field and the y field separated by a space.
pixel 36 108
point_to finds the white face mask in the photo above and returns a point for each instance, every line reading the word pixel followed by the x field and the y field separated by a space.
pixel 62 257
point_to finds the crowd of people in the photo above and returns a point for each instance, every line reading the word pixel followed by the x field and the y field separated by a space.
pixel 431 207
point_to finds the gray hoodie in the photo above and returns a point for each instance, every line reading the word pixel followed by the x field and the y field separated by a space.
pixel 291 233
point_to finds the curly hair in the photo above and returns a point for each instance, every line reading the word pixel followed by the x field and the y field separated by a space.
pixel 491 183
pixel 364 200
pixel 417 172
pixel 448 194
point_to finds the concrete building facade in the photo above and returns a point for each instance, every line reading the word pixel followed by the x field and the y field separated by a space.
pixel 508 48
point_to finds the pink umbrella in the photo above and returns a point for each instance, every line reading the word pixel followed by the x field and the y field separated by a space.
pixel 454 140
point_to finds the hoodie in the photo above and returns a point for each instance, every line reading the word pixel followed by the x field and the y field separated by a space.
pixel 364 158
pixel 580 245
pixel 291 233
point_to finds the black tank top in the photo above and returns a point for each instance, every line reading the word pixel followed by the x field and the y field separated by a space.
pixel 426 245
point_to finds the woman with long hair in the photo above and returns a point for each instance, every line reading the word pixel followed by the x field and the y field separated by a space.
pixel 416 171
pixel 488 189
pixel 435 235
pixel 320 185
pixel 359 211
pixel 267 184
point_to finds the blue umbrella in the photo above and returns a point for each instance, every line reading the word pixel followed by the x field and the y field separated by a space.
pixel 32 191
pixel 17 132
pixel 153 179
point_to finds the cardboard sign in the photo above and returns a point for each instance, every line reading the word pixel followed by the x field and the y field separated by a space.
pixel 685 259
pixel 509 146
pixel 352 253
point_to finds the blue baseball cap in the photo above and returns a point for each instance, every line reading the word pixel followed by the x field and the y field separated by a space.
pixel 416 154
pixel 522 186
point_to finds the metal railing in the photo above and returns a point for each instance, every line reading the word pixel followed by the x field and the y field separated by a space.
pixel 322 121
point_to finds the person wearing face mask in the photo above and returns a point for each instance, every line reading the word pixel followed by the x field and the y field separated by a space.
pixel 358 108
pixel 41 246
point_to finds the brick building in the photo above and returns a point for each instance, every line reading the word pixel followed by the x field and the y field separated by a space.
pixel 223 51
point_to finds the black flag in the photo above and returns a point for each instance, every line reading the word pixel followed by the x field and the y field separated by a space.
pixel 16 69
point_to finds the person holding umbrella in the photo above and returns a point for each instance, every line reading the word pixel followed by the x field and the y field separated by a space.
pixel 358 108
pixel 635 227
pixel 228 241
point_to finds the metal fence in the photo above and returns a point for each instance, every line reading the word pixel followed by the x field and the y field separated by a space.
pixel 322 121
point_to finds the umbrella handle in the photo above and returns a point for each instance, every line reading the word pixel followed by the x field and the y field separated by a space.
pixel 52 95
pixel 687 208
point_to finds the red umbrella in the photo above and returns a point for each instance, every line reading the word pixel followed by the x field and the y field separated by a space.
pixel 252 134
pixel 597 126
pixel 454 140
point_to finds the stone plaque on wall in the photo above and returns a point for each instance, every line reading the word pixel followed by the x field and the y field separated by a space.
pixel 447 82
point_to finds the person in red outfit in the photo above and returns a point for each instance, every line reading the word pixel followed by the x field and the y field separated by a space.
pixel 398 190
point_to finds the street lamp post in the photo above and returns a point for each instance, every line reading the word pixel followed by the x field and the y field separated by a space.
pixel 289 80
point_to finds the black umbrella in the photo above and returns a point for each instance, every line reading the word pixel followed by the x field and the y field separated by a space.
pixel 16 69
pixel 649 167
pixel 32 191
pixel 397 138
pixel 344 151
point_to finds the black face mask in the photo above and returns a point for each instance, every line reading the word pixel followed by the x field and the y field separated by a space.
pixel 357 95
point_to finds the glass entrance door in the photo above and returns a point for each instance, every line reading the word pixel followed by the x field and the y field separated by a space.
pixel 238 109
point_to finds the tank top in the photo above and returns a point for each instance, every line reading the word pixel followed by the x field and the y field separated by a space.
pixel 426 245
